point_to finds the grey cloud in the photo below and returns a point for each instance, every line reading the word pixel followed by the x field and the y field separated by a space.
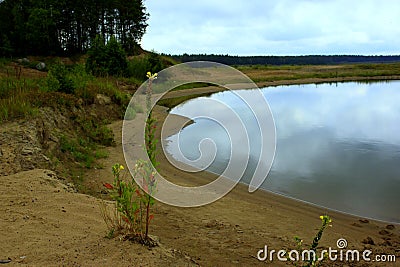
pixel 274 27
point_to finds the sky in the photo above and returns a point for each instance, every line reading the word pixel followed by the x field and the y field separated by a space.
pixel 273 27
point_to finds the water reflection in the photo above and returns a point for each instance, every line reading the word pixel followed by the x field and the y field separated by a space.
pixel 338 145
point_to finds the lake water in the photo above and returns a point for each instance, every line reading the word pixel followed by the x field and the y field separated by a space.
pixel 338 145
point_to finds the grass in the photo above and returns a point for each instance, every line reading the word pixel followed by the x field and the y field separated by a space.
pixel 82 150
pixel 17 97
pixel 174 101
pixel 279 73
pixel 192 86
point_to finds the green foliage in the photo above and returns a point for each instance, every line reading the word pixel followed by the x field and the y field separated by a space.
pixel 96 131
pixel 106 59
pixel 260 61
pixel 155 62
pixel 6 48
pixel 326 220
pixel 117 62
pixel 82 150
pixel 133 203
pixel 60 26
pixel 174 101
pixel 17 97
pixel 41 31
pixel 59 79
pixel 16 107
pixel 97 57
pixel 132 217
pixel 151 141
pixel 138 66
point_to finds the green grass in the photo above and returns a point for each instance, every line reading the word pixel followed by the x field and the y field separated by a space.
pixel 172 102
pixel 192 86
pixel 17 97
pixel 82 150
pixel 279 73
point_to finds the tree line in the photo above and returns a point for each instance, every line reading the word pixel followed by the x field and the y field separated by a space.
pixel 286 60
pixel 57 27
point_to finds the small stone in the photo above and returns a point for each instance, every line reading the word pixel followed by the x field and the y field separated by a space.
pixel 390 227
pixel 102 100
pixel 368 241
pixel 41 66
pixel 384 232
pixel 363 221
pixel 27 151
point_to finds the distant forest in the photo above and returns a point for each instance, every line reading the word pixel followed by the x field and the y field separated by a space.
pixel 286 60
pixel 55 27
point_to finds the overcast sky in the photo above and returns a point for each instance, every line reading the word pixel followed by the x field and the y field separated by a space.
pixel 273 27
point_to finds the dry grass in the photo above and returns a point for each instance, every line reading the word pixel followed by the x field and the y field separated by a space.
pixel 273 73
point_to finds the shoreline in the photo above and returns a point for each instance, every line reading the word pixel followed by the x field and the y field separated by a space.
pixel 216 89
pixel 179 120
pixel 264 217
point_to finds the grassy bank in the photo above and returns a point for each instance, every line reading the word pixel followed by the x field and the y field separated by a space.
pixel 278 73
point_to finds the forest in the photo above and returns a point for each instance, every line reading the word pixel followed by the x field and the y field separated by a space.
pixel 67 27
pixel 287 60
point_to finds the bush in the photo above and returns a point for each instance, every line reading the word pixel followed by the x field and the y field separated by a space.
pixel 60 80
pixel 139 66
pixel 106 59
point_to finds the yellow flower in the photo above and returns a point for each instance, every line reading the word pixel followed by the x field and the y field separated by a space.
pixel 121 167
pixel 151 76
pixel 321 217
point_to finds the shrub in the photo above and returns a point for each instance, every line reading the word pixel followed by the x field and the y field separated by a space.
pixel 138 66
pixel 132 205
pixel 106 59
pixel 59 79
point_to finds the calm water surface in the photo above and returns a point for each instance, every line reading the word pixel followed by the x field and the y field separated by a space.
pixel 338 145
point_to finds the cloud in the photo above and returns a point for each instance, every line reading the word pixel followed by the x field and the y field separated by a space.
pixel 285 27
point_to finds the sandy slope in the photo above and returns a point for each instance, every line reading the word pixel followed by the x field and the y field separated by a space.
pixel 44 223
